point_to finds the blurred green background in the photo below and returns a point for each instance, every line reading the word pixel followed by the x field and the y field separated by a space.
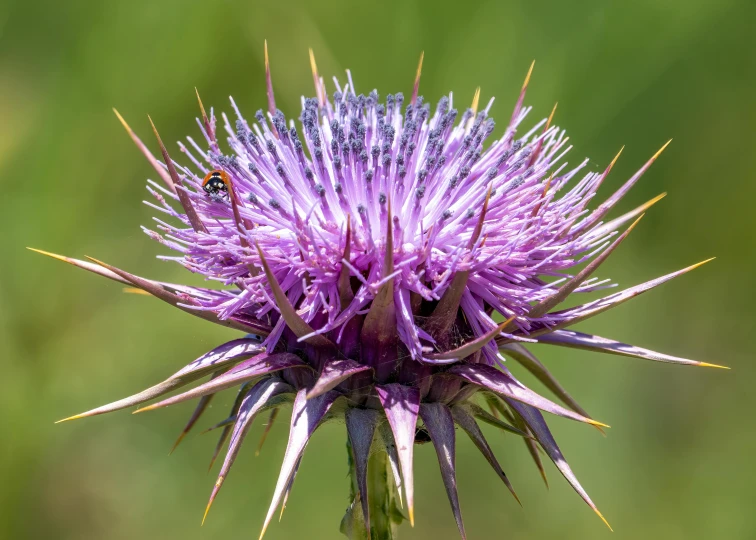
pixel 678 461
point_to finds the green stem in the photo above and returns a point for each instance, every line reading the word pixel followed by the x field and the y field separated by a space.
pixel 385 516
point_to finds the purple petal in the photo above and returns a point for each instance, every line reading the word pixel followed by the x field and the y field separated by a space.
pixel 402 405
pixel 440 425
pixel 505 385
pixel 226 354
pixel 588 342
pixel 305 418
pixel 335 372
pixel 535 421
pixel 361 425
pixel 254 367
pixel 252 403
pixel 464 419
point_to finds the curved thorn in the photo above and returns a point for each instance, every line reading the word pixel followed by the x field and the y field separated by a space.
pixel 440 425
pixel 507 387
pixel 199 409
pixel 305 419
pixel 609 203
pixel 529 361
pixel 94 268
pixel 145 151
pixel 297 325
pixel 588 342
pixel 521 98
pixel 494 421
pixel 464 419
pixel 250 370
pixel 544 306
pixel 158 291
pixel 471 347
pixel 228 353
pixel 537 424
pixel 253 402
pixel 617 222
pixel 186 202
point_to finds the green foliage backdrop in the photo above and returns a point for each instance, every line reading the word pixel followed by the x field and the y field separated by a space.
pixel 678 461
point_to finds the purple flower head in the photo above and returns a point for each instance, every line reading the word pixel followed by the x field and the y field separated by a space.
pixel 370 250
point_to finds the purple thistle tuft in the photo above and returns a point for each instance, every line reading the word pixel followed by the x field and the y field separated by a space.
pixel 369 250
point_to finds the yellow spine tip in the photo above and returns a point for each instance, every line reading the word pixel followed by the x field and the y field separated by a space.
pixel 656 199
pixel 313 65
pixel 475 101
pixel 53 255
pixel 702 263
pixel 135 290
pixel 75 417
pixel 123 122
pixel 598 424
pixel 616 158
pixel 603 519
pixel 631 227
pixel 178 441
pixel 551 116
pixel 516 497
pixel 706 364
pixel 527 77
pixel 411 512
pixel 657 154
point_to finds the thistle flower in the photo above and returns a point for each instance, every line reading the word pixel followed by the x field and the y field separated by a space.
pixel 368 250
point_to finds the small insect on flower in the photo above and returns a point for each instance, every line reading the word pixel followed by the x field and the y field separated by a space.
pixel 388 267
pixel 216 183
